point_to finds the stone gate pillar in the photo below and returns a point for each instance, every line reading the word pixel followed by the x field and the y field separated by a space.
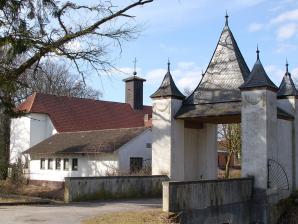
pixel 258 124
pixel 167 132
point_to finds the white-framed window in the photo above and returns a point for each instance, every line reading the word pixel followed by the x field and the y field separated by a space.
pixel 58 164
pixel 74 164
pixel 66 164
pixel 50 164
pixel 42 164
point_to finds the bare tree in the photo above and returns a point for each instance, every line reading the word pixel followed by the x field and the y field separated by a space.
pixel 31 30
pixel 230 138
pixel 34 29
pixel 54 78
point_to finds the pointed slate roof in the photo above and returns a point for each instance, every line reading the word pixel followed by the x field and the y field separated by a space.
pixel 226 71
pixel 287 86
pixel 168 88
pixel 258 77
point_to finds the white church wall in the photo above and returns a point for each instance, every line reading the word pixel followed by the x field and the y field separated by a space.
pixel 88 166
pixel 27 131
pixel 41 127
pixel 140 146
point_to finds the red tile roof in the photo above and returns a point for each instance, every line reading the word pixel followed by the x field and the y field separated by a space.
pixel 70 114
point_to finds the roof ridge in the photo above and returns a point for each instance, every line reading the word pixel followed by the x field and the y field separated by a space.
pixel 81 98
pixel 108 129
pixel 34 96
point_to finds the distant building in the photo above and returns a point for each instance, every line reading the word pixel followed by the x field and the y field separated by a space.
pixel 62 136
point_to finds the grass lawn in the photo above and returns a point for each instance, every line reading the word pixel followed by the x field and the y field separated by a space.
pixel 132 217
pixel 7 188
pixel 13 199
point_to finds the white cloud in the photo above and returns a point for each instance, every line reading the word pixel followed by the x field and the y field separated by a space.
pixel 286 17
pixel 275 73
pixel 283 47
pixel 254 27
pixel 287 31
pixel 294 73
pixel 186 75
pixel 247 3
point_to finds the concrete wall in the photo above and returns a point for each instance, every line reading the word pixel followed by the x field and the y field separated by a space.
pixel 94 188
pixel 88 165
pixel 27 131
pixel 137 147
pixel 167 139
pixel 210 201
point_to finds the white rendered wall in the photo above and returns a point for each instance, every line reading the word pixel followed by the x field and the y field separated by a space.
pixel 137 147
pixel 41 127
pixel 167 139
pixel 201 153
pixel 290 105
pixel 88 166
pixel 259 134
pixel 284 153
pixel 27 131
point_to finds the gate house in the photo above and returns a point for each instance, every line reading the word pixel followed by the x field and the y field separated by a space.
pixel 185 129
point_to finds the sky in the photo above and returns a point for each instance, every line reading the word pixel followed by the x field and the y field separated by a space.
pixel 187 31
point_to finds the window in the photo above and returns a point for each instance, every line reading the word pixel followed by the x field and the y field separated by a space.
pixel 136 164
pixel 58 164
pixel 148 146
pixel 42 164
pixel 66 164
pixel 75 164
pixel 50 164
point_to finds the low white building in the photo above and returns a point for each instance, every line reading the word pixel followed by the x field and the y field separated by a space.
pixel 90 153
pixel 63 125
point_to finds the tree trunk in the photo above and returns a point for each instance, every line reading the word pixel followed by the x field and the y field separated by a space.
pixel 4 145
pixel 227 168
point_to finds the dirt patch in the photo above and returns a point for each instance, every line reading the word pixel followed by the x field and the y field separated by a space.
pixel 142 217
pixel 7 188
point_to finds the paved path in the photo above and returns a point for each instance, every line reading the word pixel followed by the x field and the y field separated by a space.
pixel 69 213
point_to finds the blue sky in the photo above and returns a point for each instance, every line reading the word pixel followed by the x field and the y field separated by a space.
pixel 187 31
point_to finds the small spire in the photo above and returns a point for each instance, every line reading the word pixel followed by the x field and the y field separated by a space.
pixel 169 65
pixel 227 18
pixel 258 53
pixel 135 67
pixel 287 66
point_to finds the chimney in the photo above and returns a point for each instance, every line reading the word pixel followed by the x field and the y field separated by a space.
pixel 134 91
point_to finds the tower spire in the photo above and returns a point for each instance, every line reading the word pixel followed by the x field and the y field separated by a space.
pixel 287 66
pixel 227 18
pixel 258 53
pixel 169 65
